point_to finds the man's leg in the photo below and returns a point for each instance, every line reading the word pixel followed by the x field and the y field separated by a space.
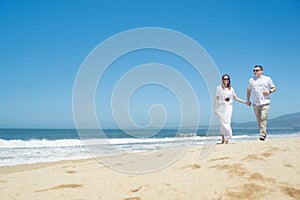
pixel 264 120
pixel 257 111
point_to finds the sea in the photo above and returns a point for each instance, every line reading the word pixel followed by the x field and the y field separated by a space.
pixel 27 146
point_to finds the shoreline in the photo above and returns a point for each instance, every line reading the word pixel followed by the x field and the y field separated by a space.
pixel 235 139
pixel 241 170
pixel 37 165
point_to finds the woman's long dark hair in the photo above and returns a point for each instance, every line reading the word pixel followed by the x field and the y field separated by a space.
pixel 229 83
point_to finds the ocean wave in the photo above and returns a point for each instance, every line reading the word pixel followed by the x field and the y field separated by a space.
pixel 189 137
pixel 76 142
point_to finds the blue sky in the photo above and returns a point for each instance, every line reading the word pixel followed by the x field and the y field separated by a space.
pixel 43 44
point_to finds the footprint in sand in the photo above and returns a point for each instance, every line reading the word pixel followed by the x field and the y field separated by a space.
pixel 259 177
pixel 192 166
pixel 218 159
pixel 290 191
pixel 253 157
pixel 71 172
pixel 59 187
pixel 274 149
pixel 266 154
pixel 262 156
pixel 146 186
pixel 288 165
pixel 136 189
pixel 233 170
pixel 237 170
pixel 133 198
pixel 246 191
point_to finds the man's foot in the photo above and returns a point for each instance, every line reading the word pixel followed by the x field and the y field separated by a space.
pixel 262 137
pixel 226 141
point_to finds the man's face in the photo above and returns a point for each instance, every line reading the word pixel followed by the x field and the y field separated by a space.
pixel 257 71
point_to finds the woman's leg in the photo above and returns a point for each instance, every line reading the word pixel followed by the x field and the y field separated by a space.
pixel 227 122
pixel 223 139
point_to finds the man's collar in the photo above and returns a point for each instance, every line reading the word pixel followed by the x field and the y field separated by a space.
pixel 255 77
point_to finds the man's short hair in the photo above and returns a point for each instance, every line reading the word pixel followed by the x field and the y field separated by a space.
pixel 261 67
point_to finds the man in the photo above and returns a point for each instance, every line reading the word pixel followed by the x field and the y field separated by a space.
pixel 261 87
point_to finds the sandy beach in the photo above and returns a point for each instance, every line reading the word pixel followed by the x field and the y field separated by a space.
pixel 243 170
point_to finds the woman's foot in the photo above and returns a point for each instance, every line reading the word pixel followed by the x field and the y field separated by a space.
pixel 226 141
pixel 223 139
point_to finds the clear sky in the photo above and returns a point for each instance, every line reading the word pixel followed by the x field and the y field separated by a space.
pixel 43 44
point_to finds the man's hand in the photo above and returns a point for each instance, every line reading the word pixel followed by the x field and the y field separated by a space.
pixel 266 92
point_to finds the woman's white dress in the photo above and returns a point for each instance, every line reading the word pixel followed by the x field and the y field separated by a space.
pixel 224 110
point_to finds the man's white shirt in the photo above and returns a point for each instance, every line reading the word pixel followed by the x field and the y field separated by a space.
pixel 257 86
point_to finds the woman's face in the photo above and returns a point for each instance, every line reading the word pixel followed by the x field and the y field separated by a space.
pixel 225 80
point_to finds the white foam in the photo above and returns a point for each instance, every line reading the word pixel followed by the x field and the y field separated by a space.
pixel 76 142
pixel 19 156
pixel 39 143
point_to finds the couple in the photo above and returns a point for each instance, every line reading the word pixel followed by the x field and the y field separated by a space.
pixel 261 87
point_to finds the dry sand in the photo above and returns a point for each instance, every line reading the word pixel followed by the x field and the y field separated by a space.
pixel 244 170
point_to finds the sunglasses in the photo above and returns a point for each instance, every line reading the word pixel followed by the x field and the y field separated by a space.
pixel 256 70
pixel 226 79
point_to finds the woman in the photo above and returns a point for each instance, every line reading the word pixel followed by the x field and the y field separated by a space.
pixel 223 106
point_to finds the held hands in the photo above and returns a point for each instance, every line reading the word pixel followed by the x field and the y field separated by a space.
pixel 248 103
